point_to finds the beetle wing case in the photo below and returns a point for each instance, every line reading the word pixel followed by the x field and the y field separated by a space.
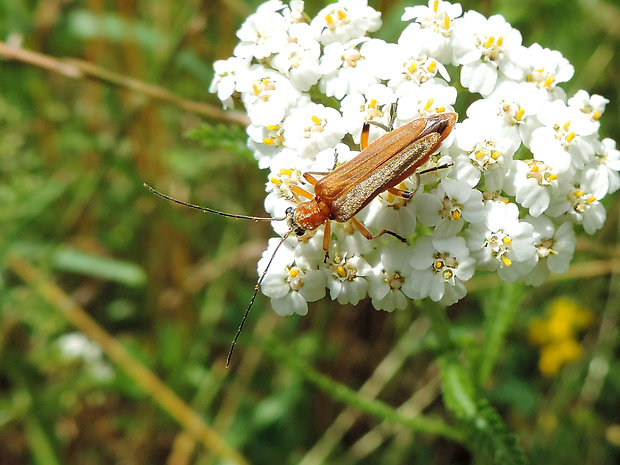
pixel 385 163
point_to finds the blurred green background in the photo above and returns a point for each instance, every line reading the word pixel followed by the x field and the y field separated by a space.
pixel 115 95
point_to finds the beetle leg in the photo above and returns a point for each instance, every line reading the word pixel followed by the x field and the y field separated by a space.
pixel 335 159
pixel 409 194
pixel 392 115
pixel 379 124
pixel 327 236
pixel 311 179
pixel 368 235
pixel 417 182
pixel 309 176
pixel 391 233
pixel 365 134
pixel 403 194
pixel 436 168
pixel 361 228
pixel 386 127
pixel 304 193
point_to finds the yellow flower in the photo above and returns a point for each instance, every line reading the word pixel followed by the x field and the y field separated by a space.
pixel 555 355
pixel 566 317
pixel 557 334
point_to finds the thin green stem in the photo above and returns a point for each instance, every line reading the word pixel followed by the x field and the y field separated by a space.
pixel 441 326
pixel 344 394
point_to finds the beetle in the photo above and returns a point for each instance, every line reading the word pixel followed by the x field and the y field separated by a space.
pixel 381 166
pixel 344 191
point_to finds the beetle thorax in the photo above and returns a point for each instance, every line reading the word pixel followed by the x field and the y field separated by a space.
pixel 308 216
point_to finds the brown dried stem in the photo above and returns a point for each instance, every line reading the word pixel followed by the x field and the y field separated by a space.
pixel 143 377
pixel 79 69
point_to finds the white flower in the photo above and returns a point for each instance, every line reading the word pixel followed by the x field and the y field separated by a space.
pixel 299 59
pixel 266 142
pixel 501 242
pixel 533 184
pixel 74 346
pixel 294 13
pixel 267 95
pixel 309 249
pixel 424 101
pixel 494 196
pixel 483 146
pixel 225 79
pixel 484 47
pixel 346 277
pixel 440 268
pixel 563 138
pixel 432 29
pixel 345 20
pixel 388 277
pixel 349 238
pixel 448 207
pixel 290 283
pixel 313 128
pixel 514 104
pixel 77 345
pixel 580 203
pixel 554 248
pixel 546 69
pixel 263 33
pixel 606 164
pixel 409 67
pixel 351 67
pixel 593 106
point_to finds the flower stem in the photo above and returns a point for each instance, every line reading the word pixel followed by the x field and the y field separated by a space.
pixel 343 393
pixel 441 326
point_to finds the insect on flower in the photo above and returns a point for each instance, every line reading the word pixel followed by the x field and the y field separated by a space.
pixel 343 192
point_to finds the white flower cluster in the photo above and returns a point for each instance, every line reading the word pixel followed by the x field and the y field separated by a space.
pixel 527 163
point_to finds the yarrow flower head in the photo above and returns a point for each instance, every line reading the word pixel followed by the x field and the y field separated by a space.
pixel 504 192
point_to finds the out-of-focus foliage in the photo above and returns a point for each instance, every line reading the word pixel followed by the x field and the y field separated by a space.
pixel 170 284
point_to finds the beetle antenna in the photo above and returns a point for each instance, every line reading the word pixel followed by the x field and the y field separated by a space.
pixel 256 289
pixel 210 210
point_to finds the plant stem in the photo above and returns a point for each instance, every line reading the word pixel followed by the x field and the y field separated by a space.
pixel 342 393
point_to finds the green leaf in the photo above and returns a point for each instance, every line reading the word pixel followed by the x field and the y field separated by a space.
pixel 487 436
pixel 491 441
pixel 458 388
pixel 110 269
pixel 114 28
